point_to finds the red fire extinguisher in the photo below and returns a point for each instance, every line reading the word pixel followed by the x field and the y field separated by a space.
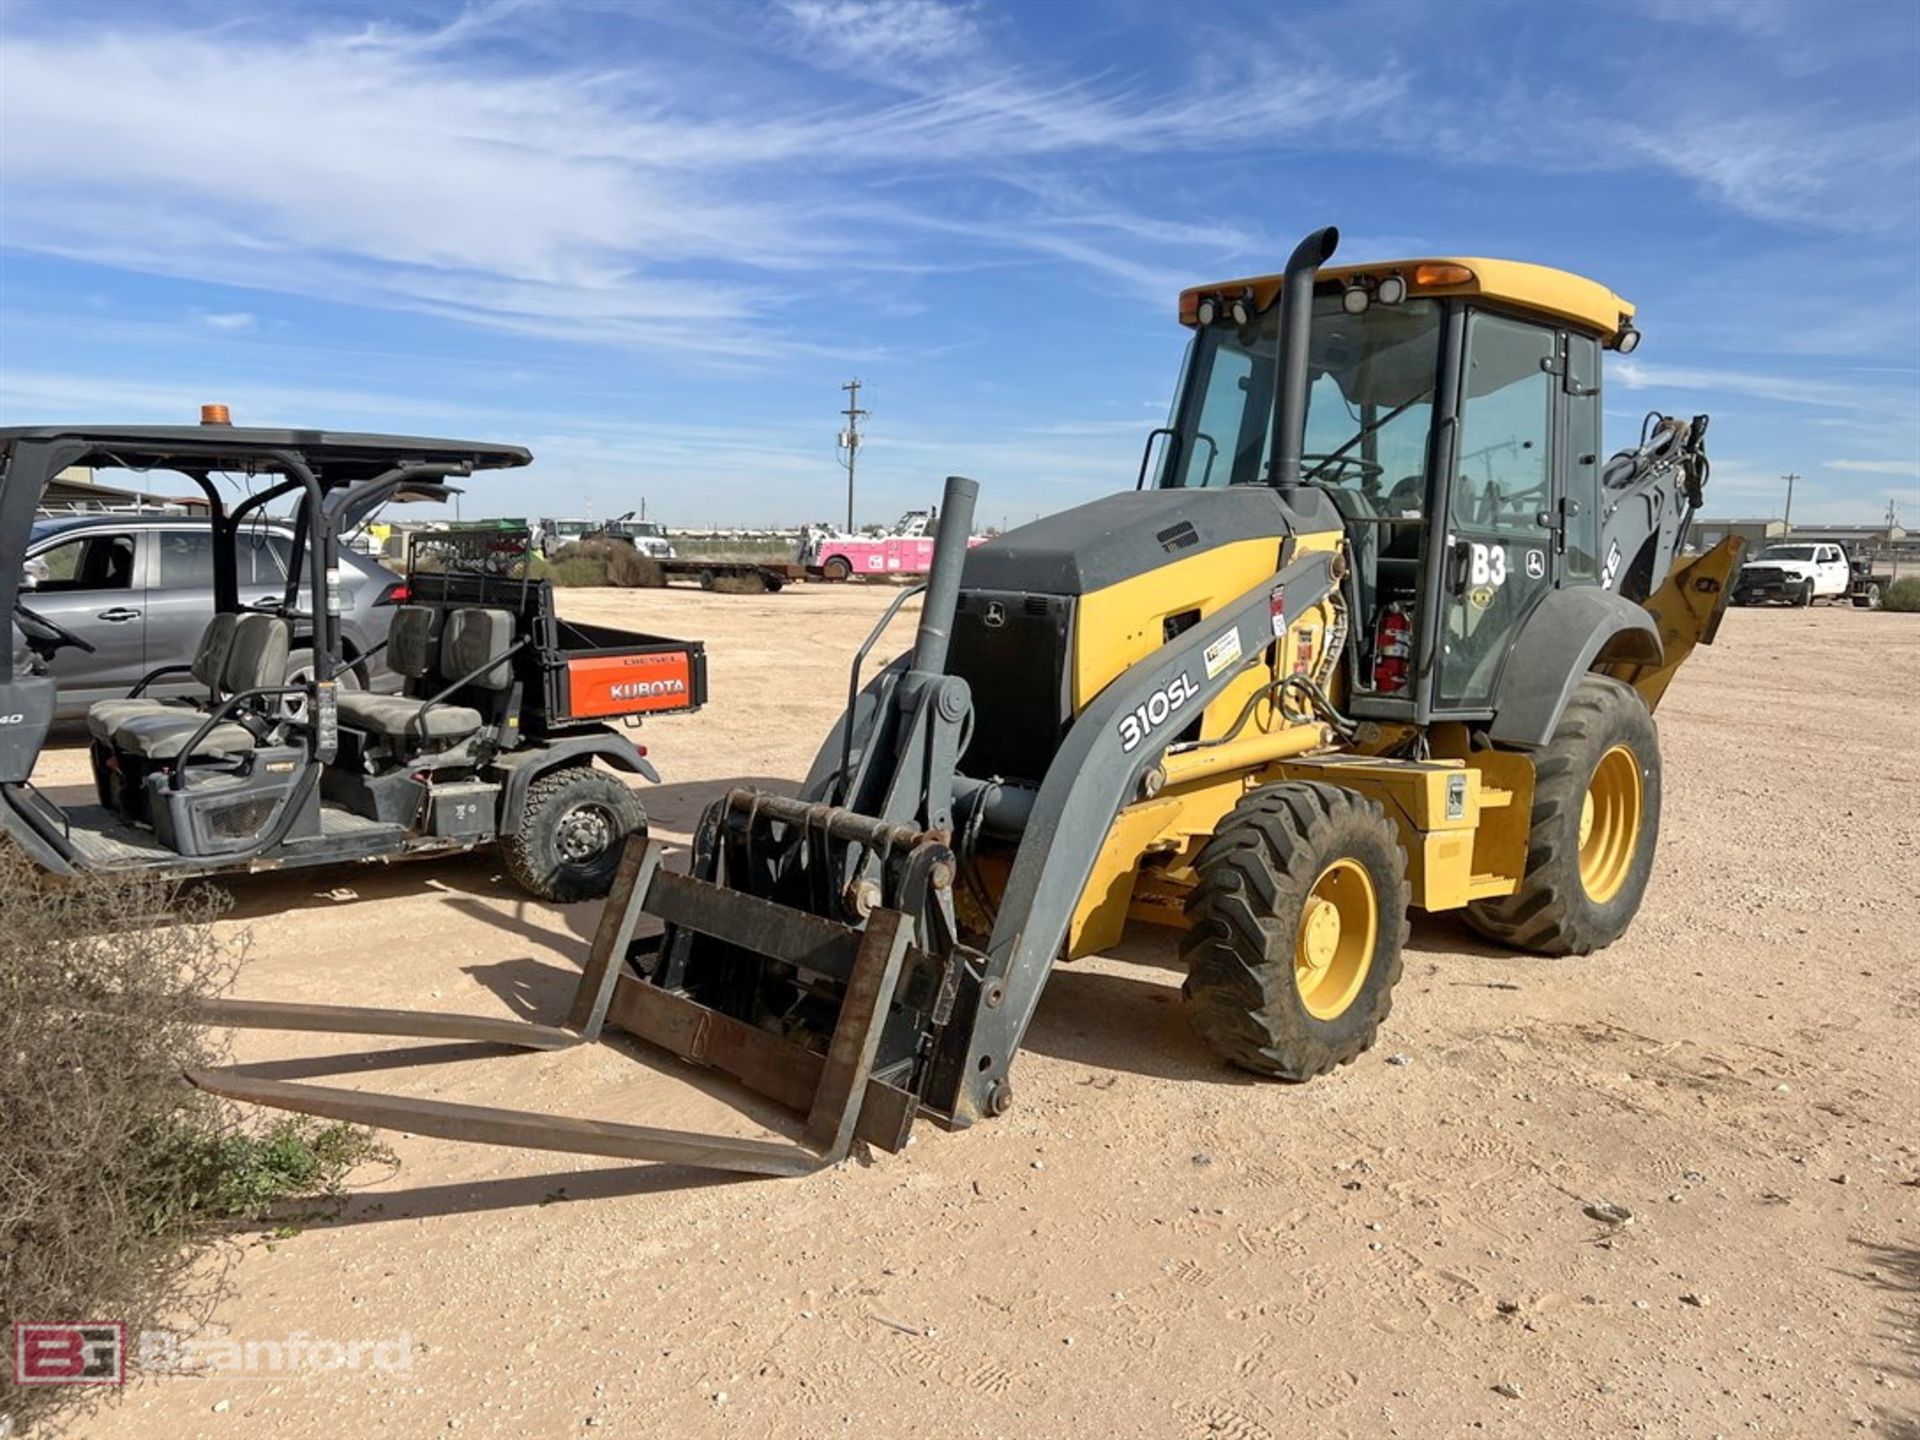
pixel 1392 650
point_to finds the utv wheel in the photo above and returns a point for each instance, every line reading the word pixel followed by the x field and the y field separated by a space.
pixel 570 835
pixel 1596 821
pixel 1297 923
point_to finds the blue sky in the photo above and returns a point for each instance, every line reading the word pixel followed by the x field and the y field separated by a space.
pixel 651 241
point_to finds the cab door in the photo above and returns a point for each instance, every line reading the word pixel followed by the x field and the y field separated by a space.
pixel 1503 517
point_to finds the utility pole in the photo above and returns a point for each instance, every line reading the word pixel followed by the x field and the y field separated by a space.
pixel 850 440
pixel 1787 519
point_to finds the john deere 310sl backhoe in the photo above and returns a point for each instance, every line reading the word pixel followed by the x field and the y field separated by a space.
pixel 1383 632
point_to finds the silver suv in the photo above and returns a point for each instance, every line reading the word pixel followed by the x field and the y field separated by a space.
pixel 139 588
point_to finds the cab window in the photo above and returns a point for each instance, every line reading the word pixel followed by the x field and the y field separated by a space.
pixel 1506 412
pixel 90 562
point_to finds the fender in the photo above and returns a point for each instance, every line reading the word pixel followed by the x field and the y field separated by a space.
pixel 522 767
pixel 1568 634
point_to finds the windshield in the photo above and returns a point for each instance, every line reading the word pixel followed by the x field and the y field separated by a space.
pixel 1788 552
pixel 643 529
pixel 1369 404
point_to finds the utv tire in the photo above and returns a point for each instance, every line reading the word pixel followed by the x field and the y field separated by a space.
pixel 567 845
pixel 1596 824
pixel 1296 929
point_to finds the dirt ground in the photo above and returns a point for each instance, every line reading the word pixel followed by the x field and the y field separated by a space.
pixel 1151 1244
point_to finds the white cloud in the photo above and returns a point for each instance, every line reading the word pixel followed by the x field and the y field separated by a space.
pixel 229 320
pixel 863 31
pixel 1909 469
pixel 1789 389
pixel 640 208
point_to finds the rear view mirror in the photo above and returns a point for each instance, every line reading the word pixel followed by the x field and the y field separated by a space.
pixel 33 574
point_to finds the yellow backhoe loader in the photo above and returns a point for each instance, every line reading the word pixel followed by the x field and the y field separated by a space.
pixel 1378 629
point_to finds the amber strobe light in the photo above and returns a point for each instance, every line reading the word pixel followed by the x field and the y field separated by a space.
pixel 1437 274
pixel 215 415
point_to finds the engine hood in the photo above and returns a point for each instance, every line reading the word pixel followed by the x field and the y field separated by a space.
pixel 1092 546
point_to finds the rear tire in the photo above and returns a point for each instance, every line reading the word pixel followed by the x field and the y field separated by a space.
pixel 1296 929
pixel 568 842
pixel 1596 825
pixel 1868 599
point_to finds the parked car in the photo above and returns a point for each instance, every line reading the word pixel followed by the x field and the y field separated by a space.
pixel 139 588
pixel 1795 575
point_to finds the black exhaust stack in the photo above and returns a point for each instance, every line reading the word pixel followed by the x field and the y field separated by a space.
pixel 1290 370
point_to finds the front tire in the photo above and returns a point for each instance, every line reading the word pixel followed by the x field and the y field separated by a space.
pixel 1596 824
pixel 1804 598
pixel 1296 929
pixel 568 842
pixel 837 569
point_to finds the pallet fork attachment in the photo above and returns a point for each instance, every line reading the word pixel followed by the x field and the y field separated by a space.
pixel 835 1090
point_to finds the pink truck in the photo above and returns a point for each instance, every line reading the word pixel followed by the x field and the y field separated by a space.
pixel 907 549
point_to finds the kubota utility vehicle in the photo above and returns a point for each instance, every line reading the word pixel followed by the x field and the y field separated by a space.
pixel 496 735
pixel 1384 633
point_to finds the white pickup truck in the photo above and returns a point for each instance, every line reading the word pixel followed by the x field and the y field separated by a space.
pixel 1796 574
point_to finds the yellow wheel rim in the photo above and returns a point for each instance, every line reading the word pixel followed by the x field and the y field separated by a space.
pixel 1610 824
pixel 1333 949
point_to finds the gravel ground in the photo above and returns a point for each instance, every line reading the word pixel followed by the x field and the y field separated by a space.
pixel 1151 1244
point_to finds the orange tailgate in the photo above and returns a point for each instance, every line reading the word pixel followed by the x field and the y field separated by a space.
pixel 630 684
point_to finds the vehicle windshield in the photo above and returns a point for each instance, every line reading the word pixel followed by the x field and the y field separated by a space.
pixel 640 529
pixel 1369 404
pixel 1788 552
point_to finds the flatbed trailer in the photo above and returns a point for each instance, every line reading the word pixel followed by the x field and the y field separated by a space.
pixel 772 574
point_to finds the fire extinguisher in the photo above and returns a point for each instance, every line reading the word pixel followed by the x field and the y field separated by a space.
pixel 1392 649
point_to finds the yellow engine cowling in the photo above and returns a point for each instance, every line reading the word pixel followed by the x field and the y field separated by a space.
pixel 1124 623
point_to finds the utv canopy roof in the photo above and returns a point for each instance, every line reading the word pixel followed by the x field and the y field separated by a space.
pixel 336 457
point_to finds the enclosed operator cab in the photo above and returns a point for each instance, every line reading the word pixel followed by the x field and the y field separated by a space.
pixel 1453 417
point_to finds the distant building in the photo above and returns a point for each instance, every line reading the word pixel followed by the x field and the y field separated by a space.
pixel 75 489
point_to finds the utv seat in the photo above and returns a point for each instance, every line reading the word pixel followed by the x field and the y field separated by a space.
pixel 256 659
pixel 474 644
pixel 208 667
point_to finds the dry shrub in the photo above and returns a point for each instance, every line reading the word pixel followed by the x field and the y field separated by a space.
pixel 739 585
pixel 110 1165
pixel 621 564
pixel 576 570
pixel 1902 594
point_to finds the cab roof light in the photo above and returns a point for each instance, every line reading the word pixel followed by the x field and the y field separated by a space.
pixel 1440 274
pixel 215 415
pixel 1355 299
pixel 1391 290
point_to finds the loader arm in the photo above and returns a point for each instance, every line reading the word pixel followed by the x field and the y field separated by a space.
pixel 1092 778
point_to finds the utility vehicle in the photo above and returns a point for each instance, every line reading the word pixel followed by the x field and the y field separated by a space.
pixel 499 733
